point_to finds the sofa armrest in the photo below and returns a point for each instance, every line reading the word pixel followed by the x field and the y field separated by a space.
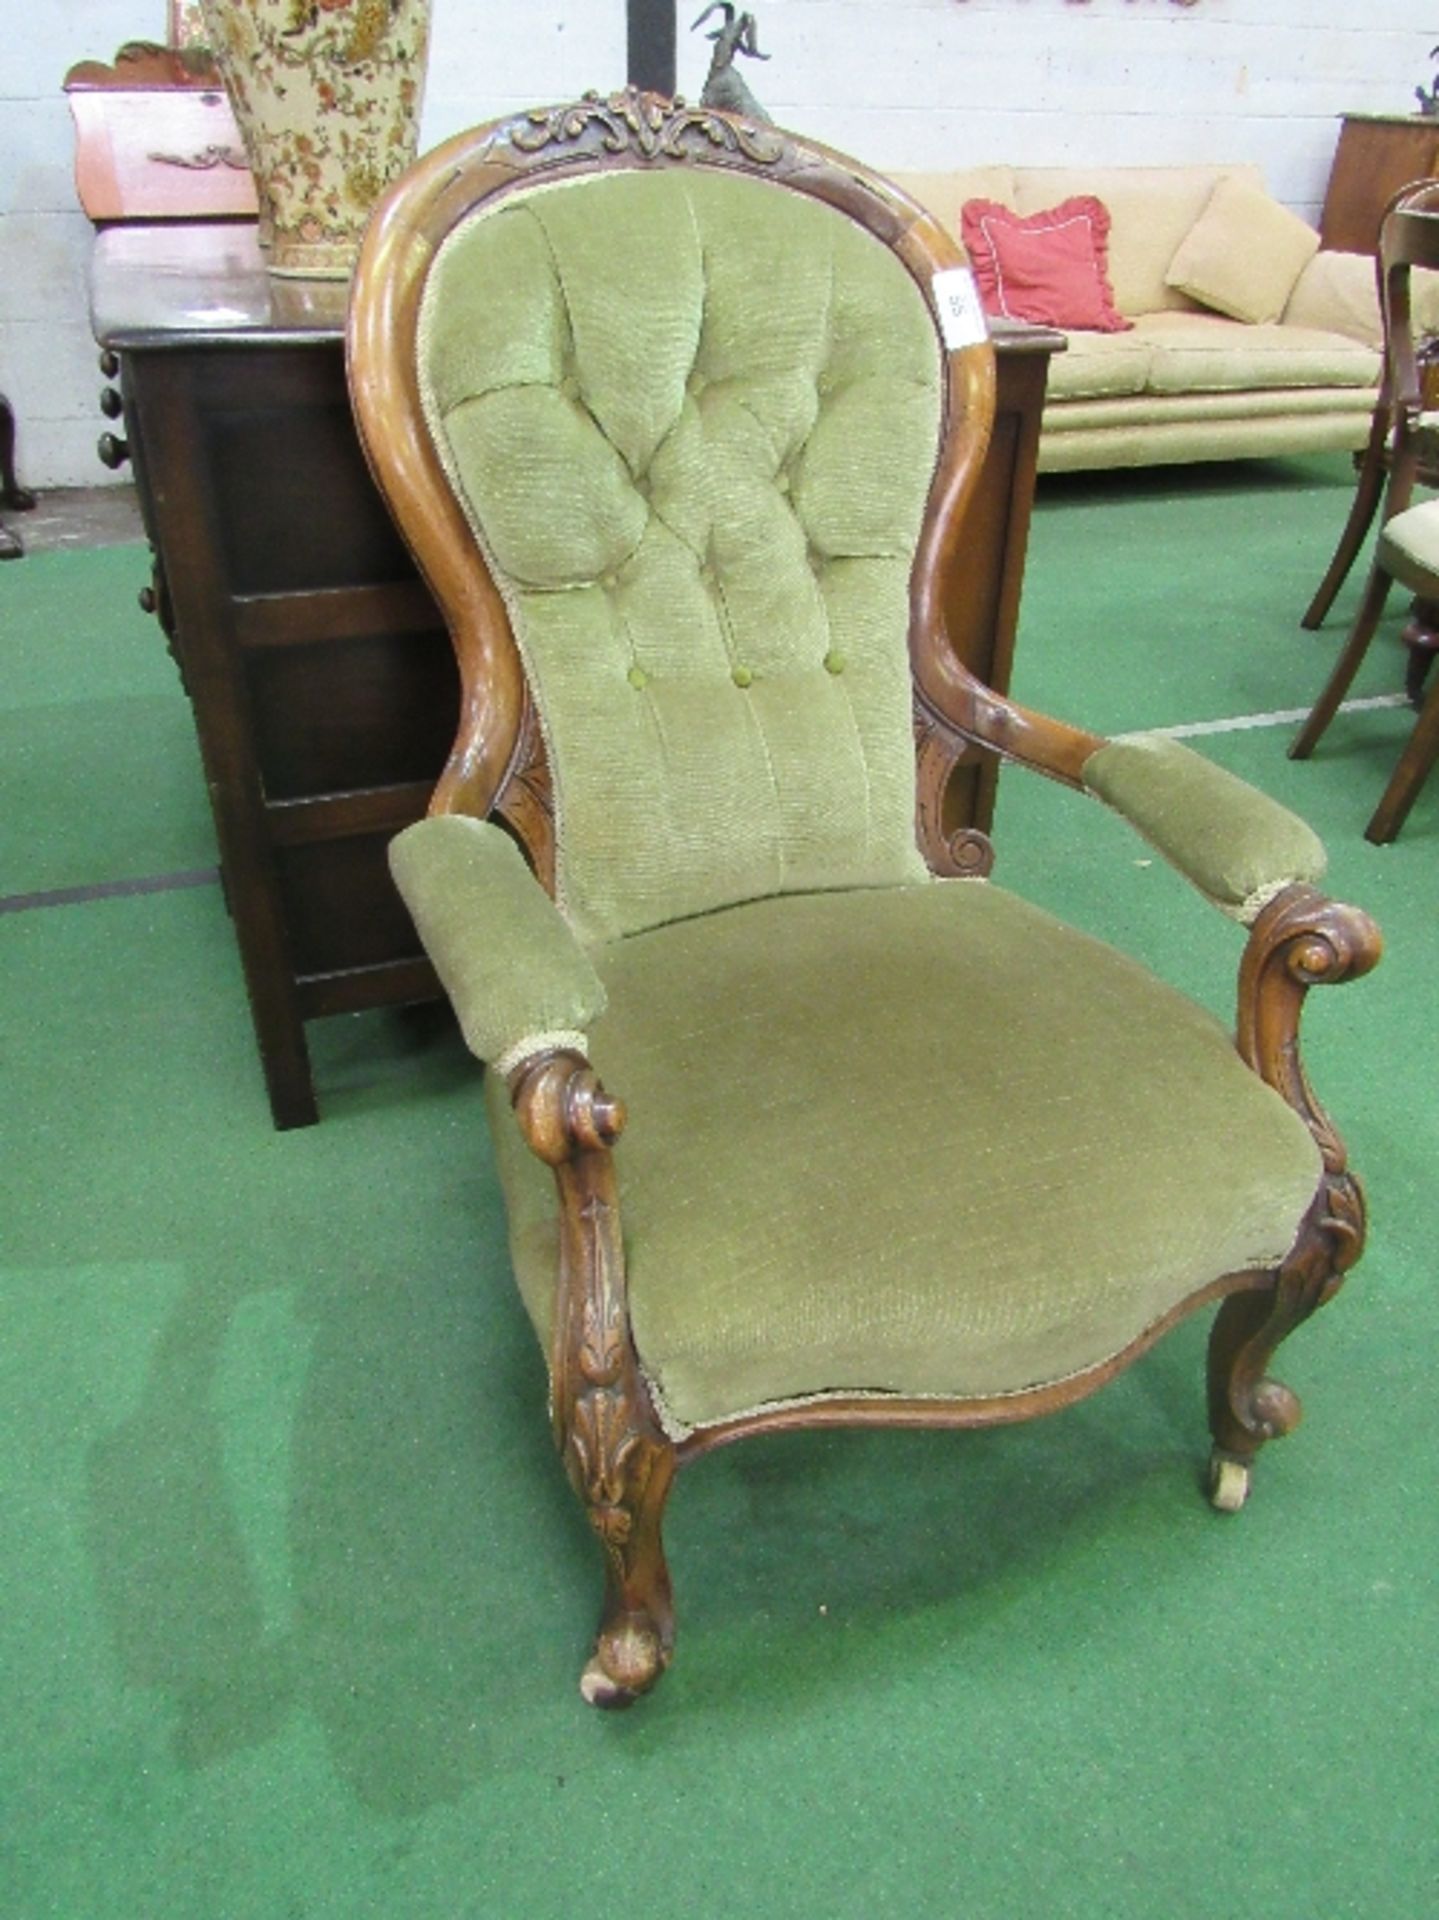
pixel 516 975
pixel 1239 847
pixel 1338 293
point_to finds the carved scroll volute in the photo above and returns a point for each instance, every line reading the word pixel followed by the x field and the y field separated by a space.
pixel 966 853
pixel 615 1452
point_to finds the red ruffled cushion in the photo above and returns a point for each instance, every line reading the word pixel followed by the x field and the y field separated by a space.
pixel 1050 268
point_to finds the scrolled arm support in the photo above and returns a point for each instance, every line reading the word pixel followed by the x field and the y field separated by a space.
pixel 1300 940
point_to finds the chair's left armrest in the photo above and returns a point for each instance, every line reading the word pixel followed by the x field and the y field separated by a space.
pixel 1237 846
pixel 519 980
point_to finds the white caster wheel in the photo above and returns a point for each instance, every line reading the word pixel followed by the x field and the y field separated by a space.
pixel 1228 1482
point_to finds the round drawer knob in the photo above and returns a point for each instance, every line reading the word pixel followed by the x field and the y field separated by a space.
pixel 113 451
pixel 111 405
pixel 109 364
pixel 147 599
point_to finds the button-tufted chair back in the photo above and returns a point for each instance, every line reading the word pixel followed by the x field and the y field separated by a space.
pixel 693 419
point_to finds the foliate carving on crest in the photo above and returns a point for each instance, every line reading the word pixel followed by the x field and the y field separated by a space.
pixel 645 124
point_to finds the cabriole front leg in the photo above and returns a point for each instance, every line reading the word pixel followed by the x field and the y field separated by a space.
pixel 1246 1405
pixel 618 1457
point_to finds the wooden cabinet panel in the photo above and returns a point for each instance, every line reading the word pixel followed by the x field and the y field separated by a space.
pixel 1377 154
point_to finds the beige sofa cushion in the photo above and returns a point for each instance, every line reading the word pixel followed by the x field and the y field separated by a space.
pixel 1151 209
pixel 1243 254
pixel 1095 365
pixel 1204 353
pixel 944 194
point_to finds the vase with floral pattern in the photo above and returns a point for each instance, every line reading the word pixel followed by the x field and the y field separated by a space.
pixel 327 97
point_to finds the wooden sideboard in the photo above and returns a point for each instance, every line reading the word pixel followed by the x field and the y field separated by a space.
pixel 1377 154
pixel 321 677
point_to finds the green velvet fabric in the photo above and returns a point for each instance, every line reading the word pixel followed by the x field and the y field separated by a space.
pixel 920 1140
pixel 513 969
pixel 1236 844
pixel 694 418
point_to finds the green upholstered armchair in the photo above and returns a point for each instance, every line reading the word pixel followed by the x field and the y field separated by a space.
pixel 680 417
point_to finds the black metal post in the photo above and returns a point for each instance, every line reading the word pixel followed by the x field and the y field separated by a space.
pixel 651 44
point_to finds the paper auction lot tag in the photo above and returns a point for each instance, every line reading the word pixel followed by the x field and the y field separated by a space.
pixel 961 317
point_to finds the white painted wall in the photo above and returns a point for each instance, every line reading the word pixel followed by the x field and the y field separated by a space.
pixel 903 83
pixel 926 84
pixel 47 358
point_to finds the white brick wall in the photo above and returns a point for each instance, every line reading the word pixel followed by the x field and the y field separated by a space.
pixel 929 83
pixel 904 83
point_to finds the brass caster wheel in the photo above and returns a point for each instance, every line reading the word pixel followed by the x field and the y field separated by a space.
pixel 628 1659
pixel 1228 1482
pixel 601 1690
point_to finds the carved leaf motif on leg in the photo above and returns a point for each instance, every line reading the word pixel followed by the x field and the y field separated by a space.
pixel 603 1442
pixel 615 1452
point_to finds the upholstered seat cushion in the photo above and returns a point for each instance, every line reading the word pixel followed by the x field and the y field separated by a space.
pixel 1095 364
pixel 1205 353
pixel 1189 354
pixel 1409 546
pixel 862 1123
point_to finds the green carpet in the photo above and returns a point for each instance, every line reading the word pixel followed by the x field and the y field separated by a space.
pixel 295 1593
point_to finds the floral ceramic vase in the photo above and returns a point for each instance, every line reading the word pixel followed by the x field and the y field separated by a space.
pixel 327 96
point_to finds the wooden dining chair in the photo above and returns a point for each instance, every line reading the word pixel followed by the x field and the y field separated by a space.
pixel 1408 545
pixel 1402 445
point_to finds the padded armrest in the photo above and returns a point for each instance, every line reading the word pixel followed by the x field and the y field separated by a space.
pixel 1338 293
pixel 516 975
pixel 1238 846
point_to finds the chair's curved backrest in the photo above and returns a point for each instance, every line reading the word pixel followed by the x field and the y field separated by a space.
pixel 1408 238
pixel 691 408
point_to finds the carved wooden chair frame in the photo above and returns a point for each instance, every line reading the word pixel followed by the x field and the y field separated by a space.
pixel 1393 457
pixel 1408 240
pixel 618 1457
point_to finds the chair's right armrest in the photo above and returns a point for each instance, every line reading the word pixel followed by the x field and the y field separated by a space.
pixel 1239 847
pixel 518 978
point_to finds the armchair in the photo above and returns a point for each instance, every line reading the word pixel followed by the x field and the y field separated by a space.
pixel 800 1121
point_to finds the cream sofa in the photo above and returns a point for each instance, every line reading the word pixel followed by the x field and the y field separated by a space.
pixel 1187 383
